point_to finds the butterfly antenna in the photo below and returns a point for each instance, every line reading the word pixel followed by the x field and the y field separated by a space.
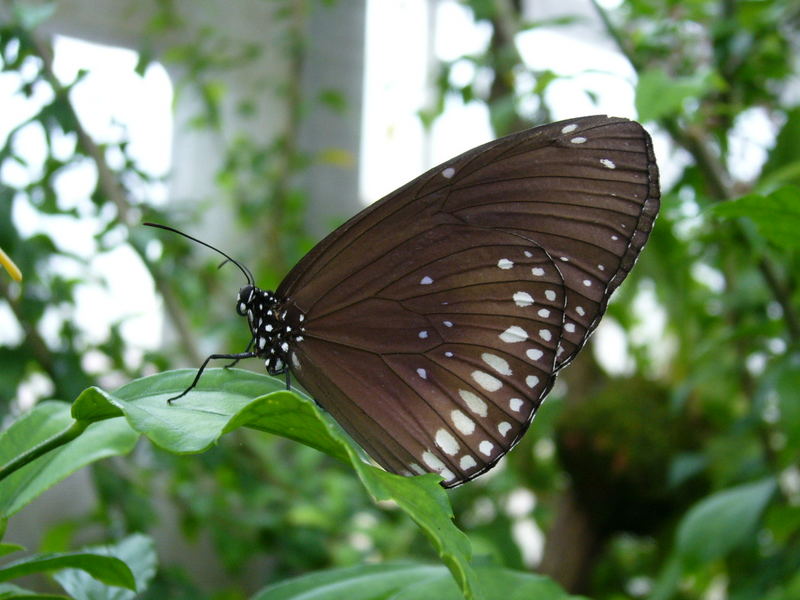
pixel 242 268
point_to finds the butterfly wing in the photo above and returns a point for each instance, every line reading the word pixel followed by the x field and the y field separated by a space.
pixel 436 319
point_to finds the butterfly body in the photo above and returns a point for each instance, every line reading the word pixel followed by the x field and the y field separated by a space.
pixel 432 324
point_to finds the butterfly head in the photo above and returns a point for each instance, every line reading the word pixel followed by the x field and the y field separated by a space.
pixel 244 300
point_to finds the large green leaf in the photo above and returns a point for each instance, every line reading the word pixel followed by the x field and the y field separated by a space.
pixel 661 95
pixel 721 522
pixel 100 440
pixel 137 551
pixel 410 582
pixel 230 398
pixel 777 215
pixel 107 569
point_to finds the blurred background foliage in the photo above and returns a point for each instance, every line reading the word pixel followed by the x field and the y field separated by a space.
pixel 679 479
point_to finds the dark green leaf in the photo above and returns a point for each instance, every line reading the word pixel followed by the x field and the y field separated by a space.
pixel 107 569
pixel 100 440
pixel 777 215
pixel 660 95
pixel 10 548
pixel 721 522
pixel 136 551
pixel 410 582
pixel 783 162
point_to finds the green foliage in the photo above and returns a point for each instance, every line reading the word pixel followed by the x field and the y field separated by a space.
pixel 111 572
pixel 223 401
pixel 685 477
pixel 776 215
pixel 410 582
pixel 46 421
pixel 721 522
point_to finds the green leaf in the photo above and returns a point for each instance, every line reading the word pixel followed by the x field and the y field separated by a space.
pixel 9 591
pixel 661 95
pixel 136 551
pixel 721 522
pixel 778 389
pixel 10 548
pixel 783 162
pixel 229 398
pixel 409 581
pixel 776 215
pixel 100 440
pixel 108 569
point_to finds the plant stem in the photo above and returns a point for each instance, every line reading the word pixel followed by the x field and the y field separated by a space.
pixel 66 436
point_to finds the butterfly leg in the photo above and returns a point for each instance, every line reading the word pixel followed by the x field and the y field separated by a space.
pixel 237 357
pixel 246 351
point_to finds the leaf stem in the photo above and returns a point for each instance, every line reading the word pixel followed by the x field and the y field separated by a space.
pixel 60 439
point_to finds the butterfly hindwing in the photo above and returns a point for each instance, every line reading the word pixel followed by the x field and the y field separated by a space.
pixel 450 358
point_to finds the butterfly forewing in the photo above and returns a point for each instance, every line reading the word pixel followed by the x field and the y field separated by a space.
pixel 436 319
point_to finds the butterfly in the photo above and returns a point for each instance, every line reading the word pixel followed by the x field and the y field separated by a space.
pixel 433 323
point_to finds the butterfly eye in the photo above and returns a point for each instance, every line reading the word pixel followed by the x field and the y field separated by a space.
pixel 244 298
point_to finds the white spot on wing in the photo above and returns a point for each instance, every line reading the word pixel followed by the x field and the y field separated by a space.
pixel 417 469
pixel 422 373
pixel 486 447
pixel 543 312
pixel 448 354
pixel 609 164
pixel 435 463
pixel 550 295
pixel 569 327
pixel 504 263
pixel 532 381
pixel 486 381
pixel 467 462
pixel 545 335
pixel 587 282
pixel 580 311
pixel 504 427
pixel 578 140
pixel 462 422
pixel 534 353
pixel 425 280
pixel 515 404
pixel 423 334
pixel 445 440
pixel 514 334
pixel 538 271
pixel 474 402
pixel 569 128
pixel 447 323
pixel 523 299
pixel 498 364
pixel 448 172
